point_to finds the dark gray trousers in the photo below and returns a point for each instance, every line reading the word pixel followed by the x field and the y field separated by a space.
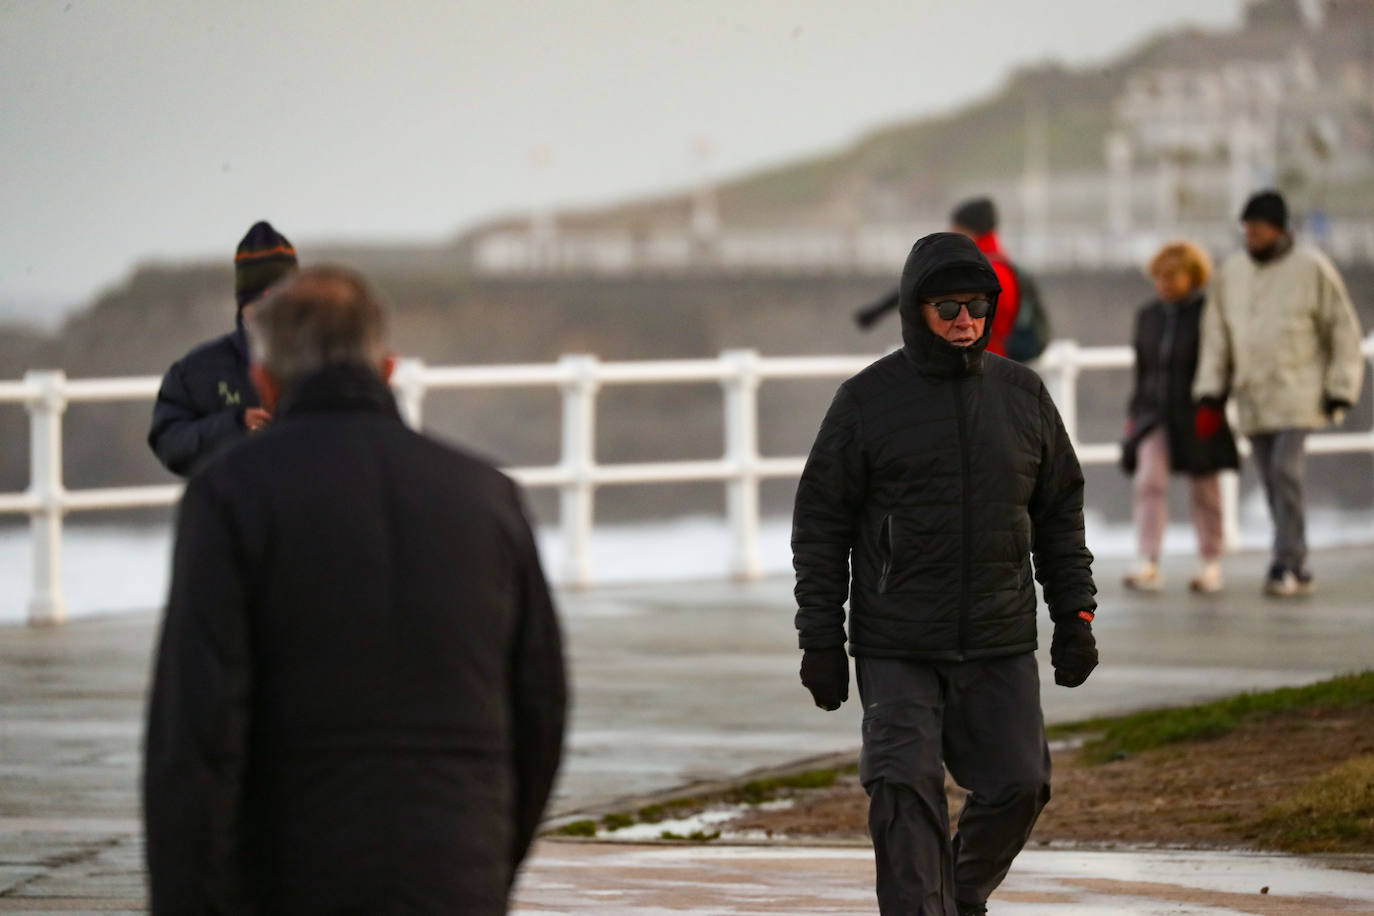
pixel 1281 460
pixel 982 719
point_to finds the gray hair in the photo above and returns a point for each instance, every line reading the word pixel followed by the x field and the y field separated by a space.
pixel 322 316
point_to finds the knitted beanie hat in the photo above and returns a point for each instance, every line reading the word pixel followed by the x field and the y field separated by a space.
pixel 1267 207
pixel 263 257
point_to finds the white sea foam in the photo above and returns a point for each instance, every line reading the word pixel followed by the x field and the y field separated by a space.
pixel 116 568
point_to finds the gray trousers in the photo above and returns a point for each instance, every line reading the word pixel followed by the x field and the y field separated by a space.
pixel 982 719
pixel 1281 461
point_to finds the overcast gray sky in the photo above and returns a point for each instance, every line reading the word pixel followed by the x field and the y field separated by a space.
pixel 159 129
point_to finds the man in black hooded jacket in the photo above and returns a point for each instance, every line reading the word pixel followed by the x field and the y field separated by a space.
pixel 939 472
pixel 206 401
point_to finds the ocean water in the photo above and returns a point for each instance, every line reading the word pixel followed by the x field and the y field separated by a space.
pixel 116 568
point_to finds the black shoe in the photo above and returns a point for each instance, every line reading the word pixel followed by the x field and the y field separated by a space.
pixel 971 909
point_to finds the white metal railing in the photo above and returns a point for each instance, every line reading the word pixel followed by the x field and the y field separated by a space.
pixel 577 474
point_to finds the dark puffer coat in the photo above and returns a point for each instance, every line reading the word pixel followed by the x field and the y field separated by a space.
pixel 359 696
pixel 200 405
pixel 937 475
pixel 1166 353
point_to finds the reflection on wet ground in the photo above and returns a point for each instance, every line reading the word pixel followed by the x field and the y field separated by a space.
pixel 673 683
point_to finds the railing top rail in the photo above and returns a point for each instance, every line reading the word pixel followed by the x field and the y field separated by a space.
pixel 111 389
pixel 17 392
pixel 1057 356
pixel 514 375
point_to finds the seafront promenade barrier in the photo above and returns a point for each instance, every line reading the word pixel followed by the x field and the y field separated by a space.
pixel 578 474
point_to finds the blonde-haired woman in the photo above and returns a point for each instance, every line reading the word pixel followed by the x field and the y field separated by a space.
pixel 1160 436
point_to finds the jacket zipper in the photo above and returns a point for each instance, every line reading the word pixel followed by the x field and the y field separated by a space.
pixel 967 514
pixel 886 553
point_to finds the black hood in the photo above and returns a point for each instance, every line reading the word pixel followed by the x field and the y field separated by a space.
pixel 932 255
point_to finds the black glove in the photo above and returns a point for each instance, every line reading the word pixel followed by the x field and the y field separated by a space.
pixel 1073 651
pixel 825 672
pixel 1333 406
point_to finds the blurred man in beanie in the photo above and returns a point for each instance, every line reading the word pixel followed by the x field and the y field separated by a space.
pixel 1282 338
pixel 359 697
pixel 207 401
pixel 977 219
pixel 939 474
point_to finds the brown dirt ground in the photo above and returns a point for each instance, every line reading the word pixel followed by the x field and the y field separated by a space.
pixel 1200 794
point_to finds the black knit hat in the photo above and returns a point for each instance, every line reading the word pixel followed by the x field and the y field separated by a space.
pixel 1266 207
pixel 977 214
pixel 263 257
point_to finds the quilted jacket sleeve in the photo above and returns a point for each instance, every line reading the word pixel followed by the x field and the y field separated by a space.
pixel 1063 563
pixel 830 497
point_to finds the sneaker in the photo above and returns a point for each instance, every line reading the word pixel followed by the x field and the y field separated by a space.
pixel 1306 584
pixel 1144 579
pixel 1208 580
pixel 1282 582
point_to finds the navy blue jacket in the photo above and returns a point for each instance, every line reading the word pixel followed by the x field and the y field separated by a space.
pixel 200 406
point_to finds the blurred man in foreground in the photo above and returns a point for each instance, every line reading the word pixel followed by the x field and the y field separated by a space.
pixel 207 402
pixel 938 473
pixel 1281 337
pixel 358 702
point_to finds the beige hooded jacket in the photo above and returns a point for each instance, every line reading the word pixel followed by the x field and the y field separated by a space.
pixel 1279 338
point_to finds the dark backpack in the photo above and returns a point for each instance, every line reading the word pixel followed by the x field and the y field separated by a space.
pixel 1031 333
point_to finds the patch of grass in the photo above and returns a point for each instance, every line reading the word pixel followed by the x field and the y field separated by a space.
pixel 652 814
pixel 1160 727
pixel 577 828
pixel 615 821
pixel 756 791
pixel 1332 813
pixel 696 836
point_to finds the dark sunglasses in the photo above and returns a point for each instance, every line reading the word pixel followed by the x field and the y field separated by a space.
pixel 948 309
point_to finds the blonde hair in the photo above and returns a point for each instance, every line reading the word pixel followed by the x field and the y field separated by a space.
pixel 1190 257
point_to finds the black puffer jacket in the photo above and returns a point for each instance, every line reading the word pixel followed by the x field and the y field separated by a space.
pixel 1166 351
pixel 200 405
pixel 359 695
pixel 937 474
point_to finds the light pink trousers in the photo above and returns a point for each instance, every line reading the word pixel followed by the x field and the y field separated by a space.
pixel 1150 492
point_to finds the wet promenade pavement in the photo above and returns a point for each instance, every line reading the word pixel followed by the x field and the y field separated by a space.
pixel 674 683
pixel 612 880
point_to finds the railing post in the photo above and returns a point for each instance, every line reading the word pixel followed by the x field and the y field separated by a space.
pixel 577 494
pixel 47 606
pixel 742 452
pixel 1066 387
pixel 408 381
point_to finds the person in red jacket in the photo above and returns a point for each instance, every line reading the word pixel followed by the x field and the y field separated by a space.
pixel 977 219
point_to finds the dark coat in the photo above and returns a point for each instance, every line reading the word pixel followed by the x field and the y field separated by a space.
pixel 359 698
pixel 1166 356
pixel 937 475
pixel 200 405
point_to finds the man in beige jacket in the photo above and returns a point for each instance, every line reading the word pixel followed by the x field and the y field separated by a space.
pixel 1281 337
